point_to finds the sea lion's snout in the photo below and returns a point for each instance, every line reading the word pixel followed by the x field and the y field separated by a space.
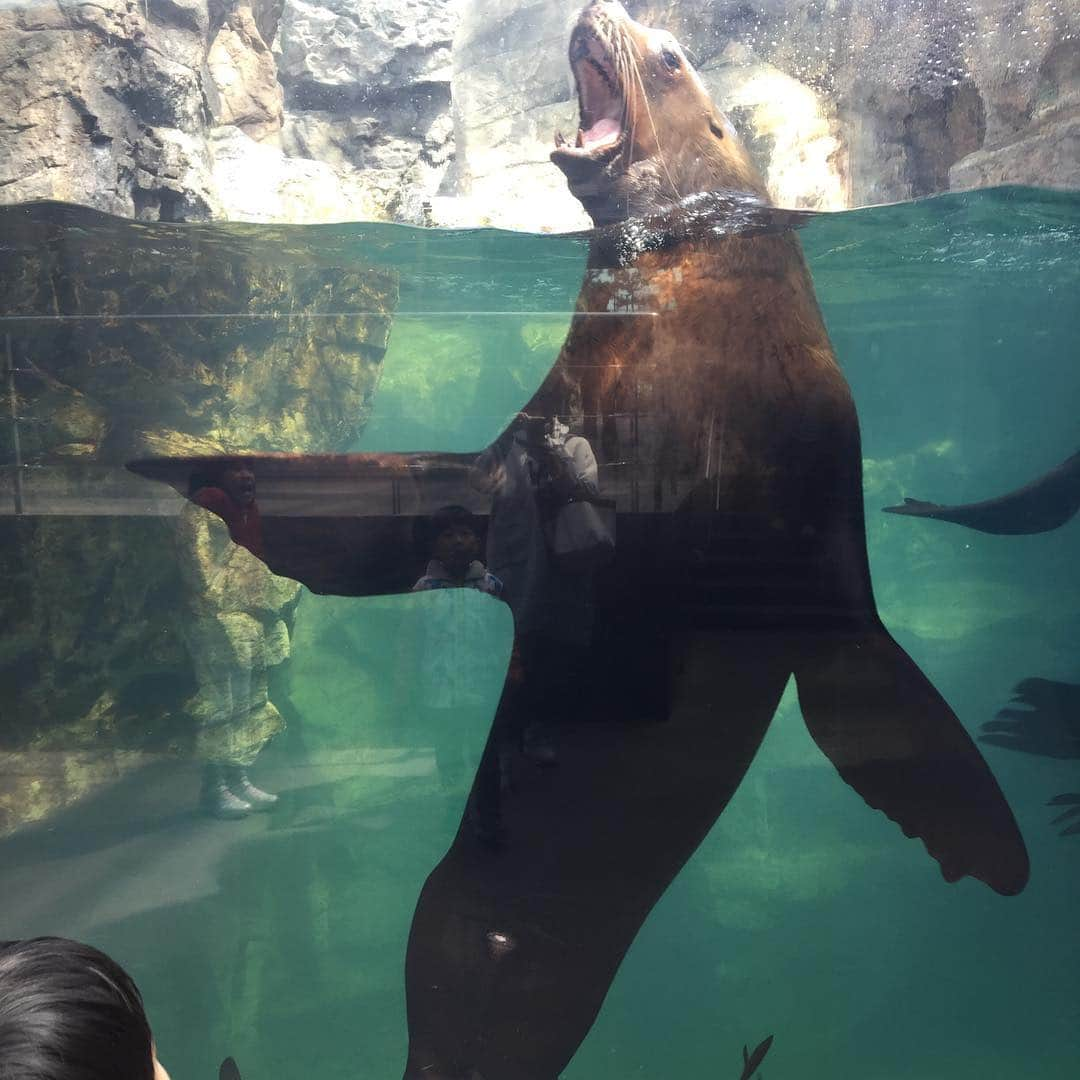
pixel 648 134
pixel 594 45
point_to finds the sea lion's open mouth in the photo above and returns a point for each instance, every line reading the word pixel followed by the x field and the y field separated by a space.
pixel 601 102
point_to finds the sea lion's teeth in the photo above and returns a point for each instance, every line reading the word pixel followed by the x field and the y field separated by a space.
pixel 580 139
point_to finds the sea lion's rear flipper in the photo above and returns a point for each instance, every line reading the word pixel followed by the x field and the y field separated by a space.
pixel 228 1070
pixel 1040 506
pixel 894 739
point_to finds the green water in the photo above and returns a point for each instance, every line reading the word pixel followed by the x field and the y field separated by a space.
pixel 805 915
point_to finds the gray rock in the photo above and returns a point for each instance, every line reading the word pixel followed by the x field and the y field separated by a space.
pixel 243 88
pixel 351 47
pixel 398 146
pixel 367 87
pixel 101 107
pixel 892 94
pixel 1046 156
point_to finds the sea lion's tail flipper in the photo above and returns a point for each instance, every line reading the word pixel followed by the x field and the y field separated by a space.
pixel 1040 506
pixel 228 1070
pixel 752 1061
pixel 894 739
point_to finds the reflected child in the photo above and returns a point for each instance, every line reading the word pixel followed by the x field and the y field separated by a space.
pixel 450 694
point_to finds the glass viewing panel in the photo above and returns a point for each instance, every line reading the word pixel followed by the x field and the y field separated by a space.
pixel 508 655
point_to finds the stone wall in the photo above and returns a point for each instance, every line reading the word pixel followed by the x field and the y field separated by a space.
pixel 843 102
pixel 316 110
pixel 190 110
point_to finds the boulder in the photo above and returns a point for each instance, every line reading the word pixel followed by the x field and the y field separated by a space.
pixel 138 108
pixel 338 45
pixel 842 104
pixel 367 89
pixel 243 87
pixel 1052 149
pixel 101 105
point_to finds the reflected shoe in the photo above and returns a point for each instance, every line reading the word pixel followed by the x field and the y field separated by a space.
pixel 247 792
pixel 217 800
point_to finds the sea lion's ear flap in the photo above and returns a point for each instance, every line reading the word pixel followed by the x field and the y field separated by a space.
pixel 716 125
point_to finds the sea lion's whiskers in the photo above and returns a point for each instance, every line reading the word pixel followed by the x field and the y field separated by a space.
pixel 652 124
pixel 618 60
pixel 623 61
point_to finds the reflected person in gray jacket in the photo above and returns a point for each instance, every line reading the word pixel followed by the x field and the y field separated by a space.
pixel 531 470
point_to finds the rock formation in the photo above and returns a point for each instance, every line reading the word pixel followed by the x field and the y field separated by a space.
pixel 843 102
pixel 184 110
pixel 316 110
pixel 367 87
pixel 240 341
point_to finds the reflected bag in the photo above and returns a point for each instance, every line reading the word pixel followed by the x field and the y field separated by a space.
pixel 581 535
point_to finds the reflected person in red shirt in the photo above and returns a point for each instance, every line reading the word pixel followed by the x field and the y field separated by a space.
pixel 230 493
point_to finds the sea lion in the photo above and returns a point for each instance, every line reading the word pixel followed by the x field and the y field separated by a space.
pixel 728 438
pixel 1039 506
pixel 743 426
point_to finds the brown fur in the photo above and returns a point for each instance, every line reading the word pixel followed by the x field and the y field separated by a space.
pixel 735 362
pixel 719 397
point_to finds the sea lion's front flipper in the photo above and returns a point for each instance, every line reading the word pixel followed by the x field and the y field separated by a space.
pixel 894 739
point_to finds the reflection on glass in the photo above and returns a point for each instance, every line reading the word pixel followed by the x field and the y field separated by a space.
pixel 541 820
pixel 235 632
pixel 449 690
pixel 741 562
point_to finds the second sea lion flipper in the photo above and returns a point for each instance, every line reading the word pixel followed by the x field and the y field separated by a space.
pixel 895 740
pixel 1044 504
pixel 914 508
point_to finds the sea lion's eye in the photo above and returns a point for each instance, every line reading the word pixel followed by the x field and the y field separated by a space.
pixel 670 58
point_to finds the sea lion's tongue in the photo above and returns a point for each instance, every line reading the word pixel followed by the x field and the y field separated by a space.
pixel 602 133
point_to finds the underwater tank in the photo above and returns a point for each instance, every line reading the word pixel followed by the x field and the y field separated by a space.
pixel 417 662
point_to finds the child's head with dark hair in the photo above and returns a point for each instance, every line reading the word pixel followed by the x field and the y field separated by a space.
pixel 69 1012
pixel 451 536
